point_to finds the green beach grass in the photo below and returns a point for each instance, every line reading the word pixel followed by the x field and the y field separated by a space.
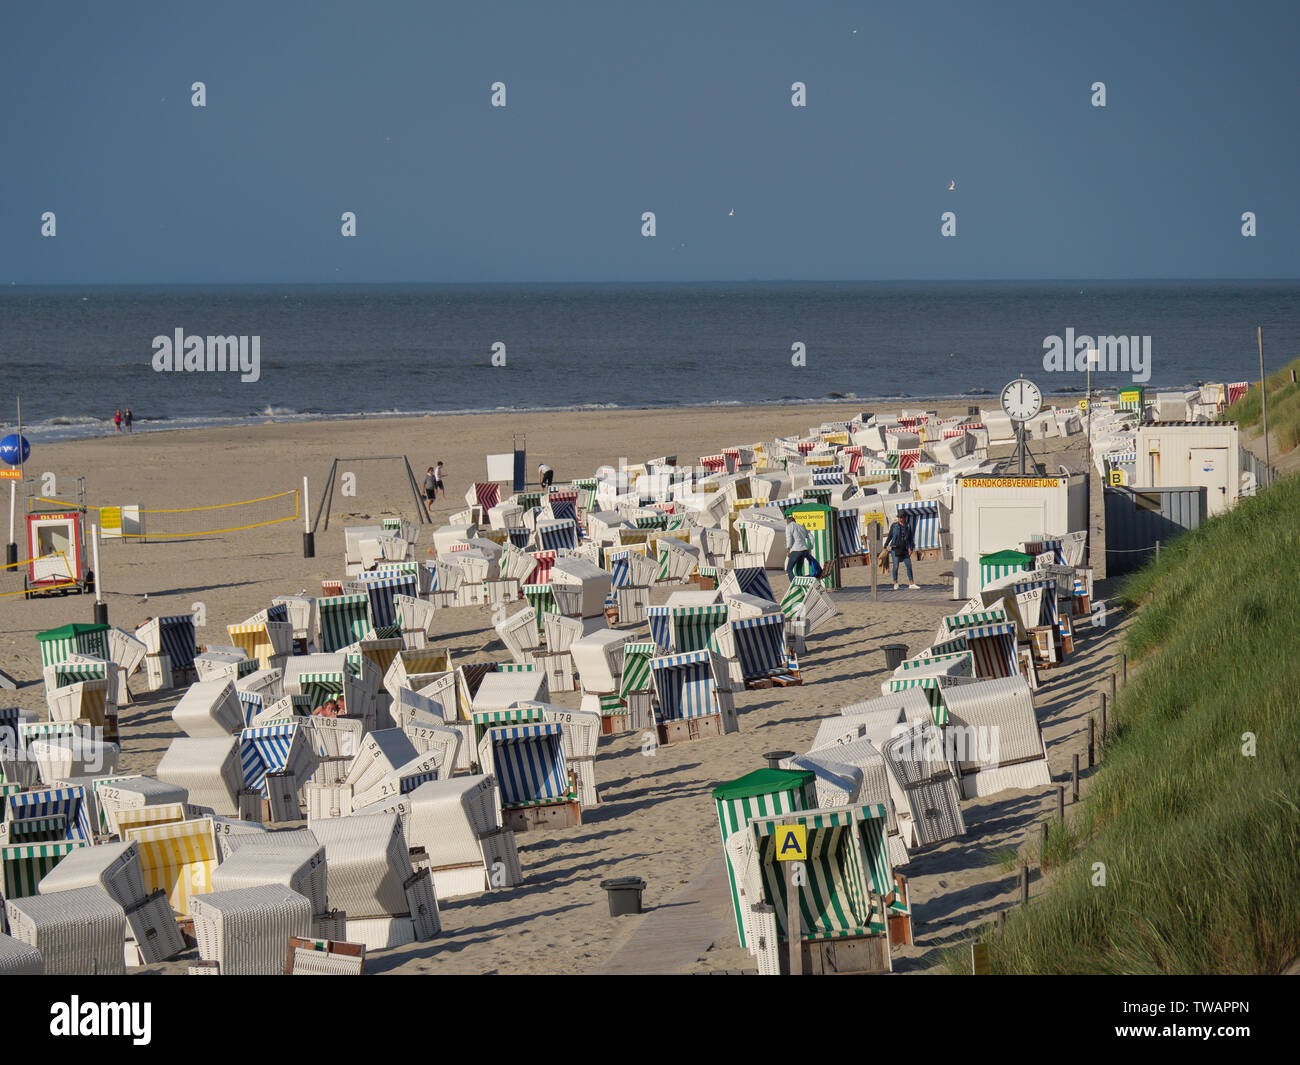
pixel 1283 408
pixel 1200 842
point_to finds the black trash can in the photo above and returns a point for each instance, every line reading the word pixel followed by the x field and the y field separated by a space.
pixel 894 655
pixel 775 758
pixel 624 894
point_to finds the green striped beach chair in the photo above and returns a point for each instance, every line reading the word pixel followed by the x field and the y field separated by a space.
pixel 23 865
pixel 343 620
pixel 636 668
pixel 691 626
pixel 57 644
pixel 848 893
pixel 762 793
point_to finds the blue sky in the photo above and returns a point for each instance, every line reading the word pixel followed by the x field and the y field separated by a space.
pixel 682 109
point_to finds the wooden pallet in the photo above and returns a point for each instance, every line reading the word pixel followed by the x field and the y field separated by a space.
pixel 788 680
pixel 761 682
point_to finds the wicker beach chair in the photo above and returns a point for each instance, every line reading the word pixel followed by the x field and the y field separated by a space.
pixel 209 708
pixel 79 932
pixel 208 769
pixel 247 930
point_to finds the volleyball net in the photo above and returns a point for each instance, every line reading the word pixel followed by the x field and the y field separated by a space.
pixel 132 522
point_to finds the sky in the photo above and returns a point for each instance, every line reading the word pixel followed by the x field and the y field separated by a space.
pixel 615 109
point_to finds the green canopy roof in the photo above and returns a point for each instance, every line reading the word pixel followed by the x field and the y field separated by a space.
pixel 764 782
pixel 1007 558
pixel 70 632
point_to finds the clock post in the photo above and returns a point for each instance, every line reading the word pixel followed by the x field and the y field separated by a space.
pixel 1021 401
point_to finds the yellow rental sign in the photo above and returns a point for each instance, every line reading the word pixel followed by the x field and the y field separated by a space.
pixel 813 521
pixel 1083 404
pixel 791 843
pixel 1117 478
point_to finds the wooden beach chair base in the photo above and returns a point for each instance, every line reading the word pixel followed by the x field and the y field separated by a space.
pixel 759 683
pixel 852 955
pixel 787 680
pixel 849 561
pixel 324 957
pixel 615 724
pixel 567 814
pixel 690 728
pixel 929 554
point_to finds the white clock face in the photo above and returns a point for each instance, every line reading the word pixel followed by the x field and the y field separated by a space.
pixel 1021 400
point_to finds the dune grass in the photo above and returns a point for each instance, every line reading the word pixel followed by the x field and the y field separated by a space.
pixel 1193 818
pixel 1283 408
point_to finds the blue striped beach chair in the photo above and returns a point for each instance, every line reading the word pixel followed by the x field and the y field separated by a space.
pixel 529 764
pixel 758 644
pixel 381 590
pixel 69 803
pixel 660 621
pixel 274 749
pixel 557 535
pixel 688 685
pixel 176 639
pixel 923 515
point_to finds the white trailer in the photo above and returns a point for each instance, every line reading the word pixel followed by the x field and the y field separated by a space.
pixel 1176 454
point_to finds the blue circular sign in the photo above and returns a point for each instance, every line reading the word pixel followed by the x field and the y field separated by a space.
pixel 9 449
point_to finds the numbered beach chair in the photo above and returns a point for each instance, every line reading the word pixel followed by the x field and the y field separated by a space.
pixel 24 865
pixel 116 796
pixel 754 650
pixel 78 932
pixel 457 823
pixel 172 636
pixel 382 588
pixel 693 699
pixel 279 750
pixel 371 879
pixel 521 634
pixel 292 859
pixel 246 931
pixel 537 790
pixel 67 805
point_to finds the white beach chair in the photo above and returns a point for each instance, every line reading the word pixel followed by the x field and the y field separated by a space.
pixel 457 823
pixel 519 633
pixel 72 756
pixel 79 932
pixel 424 767
pixel 208 768
pixel 134 793
pixel 502 690
pixel 209 708
pixel 294 859
pixel 247 930
pixel 19 959
pixel 379 756
pixel 598 658
pixel 223 665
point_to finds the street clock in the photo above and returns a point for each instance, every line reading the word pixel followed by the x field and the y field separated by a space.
pixel 1021 400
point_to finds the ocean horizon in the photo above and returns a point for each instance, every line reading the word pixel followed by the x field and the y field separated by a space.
pixel 392 350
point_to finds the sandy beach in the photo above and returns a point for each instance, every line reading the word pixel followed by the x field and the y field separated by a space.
pixel 656 819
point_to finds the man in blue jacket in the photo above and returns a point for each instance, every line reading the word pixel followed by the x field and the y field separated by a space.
pixel 901 542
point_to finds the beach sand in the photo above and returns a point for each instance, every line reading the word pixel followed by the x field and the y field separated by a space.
pixel 656 818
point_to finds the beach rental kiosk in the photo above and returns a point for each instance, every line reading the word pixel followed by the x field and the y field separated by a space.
pixel 56 546
pixel 1200 454
pixel 820 522
pixel 992 514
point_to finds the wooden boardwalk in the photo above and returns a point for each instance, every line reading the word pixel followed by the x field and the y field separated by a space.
pixel 673 936
pixel 927 593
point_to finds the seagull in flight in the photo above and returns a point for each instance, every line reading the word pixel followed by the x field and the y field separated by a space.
pixel 952 186
pixel 731 213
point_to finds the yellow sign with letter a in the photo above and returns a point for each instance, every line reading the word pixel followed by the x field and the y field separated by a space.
pixel 792 843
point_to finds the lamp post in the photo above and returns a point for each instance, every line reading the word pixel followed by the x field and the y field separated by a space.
pixel 1091 357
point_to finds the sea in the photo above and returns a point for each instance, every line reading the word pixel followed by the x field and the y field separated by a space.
pixel 74 355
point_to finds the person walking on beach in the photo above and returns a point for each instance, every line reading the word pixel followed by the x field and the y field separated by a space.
pixel 900 542
pixel 796 545
pixel 545 475
pixel 438 487
pixel 127 419
pixel 430 492
pixel 117 419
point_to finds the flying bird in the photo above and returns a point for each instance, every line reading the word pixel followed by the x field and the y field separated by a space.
pixel 952 186
pixel 731 213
